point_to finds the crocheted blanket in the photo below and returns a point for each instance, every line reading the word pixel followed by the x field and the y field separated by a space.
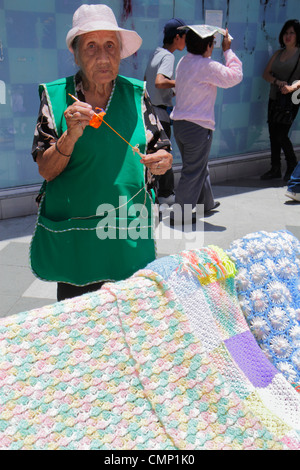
pixel 164 360
pixel 268 287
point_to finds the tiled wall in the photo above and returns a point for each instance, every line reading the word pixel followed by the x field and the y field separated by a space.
pixel 33 50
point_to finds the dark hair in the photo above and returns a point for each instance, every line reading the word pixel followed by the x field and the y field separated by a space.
pixel 169 38
pixel 290 24
pixel 195 44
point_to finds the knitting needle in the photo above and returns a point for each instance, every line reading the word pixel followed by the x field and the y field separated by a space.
pixel 133 148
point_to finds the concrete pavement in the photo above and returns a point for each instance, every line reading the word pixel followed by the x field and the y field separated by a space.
pixel 247 205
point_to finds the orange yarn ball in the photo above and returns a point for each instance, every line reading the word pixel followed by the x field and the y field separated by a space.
pixel 97 119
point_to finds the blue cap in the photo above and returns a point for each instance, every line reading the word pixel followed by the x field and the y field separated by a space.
pixel 170 29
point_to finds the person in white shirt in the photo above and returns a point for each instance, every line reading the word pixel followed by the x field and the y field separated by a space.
pixel 160 87
pixel 197 79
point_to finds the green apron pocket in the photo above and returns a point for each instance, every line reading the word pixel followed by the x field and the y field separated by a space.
pixel 83 251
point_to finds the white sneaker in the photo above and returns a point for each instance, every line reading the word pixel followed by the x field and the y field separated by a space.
pixel 294 196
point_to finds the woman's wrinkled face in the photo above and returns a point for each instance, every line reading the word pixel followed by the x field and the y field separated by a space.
pixel 98 56
pixel 289 37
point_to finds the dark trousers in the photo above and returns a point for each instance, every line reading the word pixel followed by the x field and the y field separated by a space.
pixel 194 143
pixel 165 182
pixel 68 291
pixel 279 140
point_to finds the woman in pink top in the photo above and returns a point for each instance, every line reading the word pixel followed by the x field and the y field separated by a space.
pixel 197 80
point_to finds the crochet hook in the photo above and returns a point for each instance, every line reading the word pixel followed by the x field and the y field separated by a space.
pixel 135 149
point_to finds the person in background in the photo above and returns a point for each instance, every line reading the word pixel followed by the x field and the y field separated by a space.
pixel 293 185
pixel 197 78
pixel 160 86
pixel 91 172
pixel 277 72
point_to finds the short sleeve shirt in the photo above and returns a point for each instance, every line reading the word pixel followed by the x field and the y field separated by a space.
pixel 282 71
pixel 45 135
pixel 161 62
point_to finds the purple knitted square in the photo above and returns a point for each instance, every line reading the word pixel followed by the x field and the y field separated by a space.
pixel 249 357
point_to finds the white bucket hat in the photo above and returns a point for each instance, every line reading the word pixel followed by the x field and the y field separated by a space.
pixel 89 18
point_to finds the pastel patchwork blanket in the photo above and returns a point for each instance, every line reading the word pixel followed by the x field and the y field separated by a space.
pixel 268 287
pixel 164 360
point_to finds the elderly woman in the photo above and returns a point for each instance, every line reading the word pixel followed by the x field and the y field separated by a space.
pixel 95 216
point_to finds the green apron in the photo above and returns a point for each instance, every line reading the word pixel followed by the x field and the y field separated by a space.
pixel 95 219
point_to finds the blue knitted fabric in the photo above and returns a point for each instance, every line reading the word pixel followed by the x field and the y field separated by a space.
pixel 268 287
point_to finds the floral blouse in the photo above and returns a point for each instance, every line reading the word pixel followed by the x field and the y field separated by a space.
pixel 45 134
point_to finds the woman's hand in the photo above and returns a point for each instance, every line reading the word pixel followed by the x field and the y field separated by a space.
pixel 54 160
pixel 286 89
pixel 78 116
pixel 281 84
pixel 158 162
pixel 226 44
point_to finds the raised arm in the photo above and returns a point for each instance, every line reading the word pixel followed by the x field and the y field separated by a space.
pixel 230 74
